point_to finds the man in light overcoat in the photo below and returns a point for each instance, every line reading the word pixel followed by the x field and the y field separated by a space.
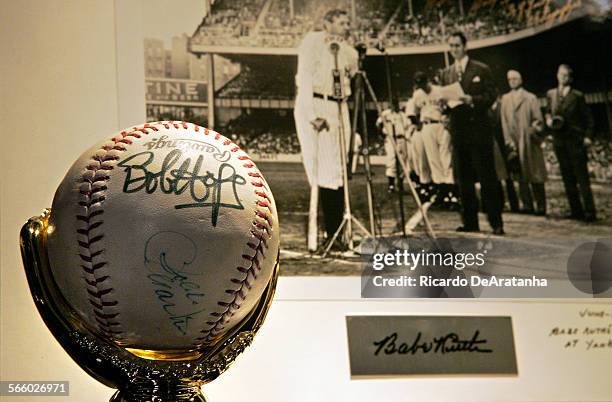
pixel 523 126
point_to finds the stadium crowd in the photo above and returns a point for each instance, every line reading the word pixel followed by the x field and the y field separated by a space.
pixel 249 134
pixel 599 160
pixel 231 22
pixel 257 83
pixel 263 132
pixel 252 23
pixel 286 142
pixel 431 25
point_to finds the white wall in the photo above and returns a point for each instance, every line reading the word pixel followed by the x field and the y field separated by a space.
pixel 301 353
pixel 59 95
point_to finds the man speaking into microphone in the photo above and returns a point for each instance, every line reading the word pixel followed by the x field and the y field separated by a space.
pixel 321 114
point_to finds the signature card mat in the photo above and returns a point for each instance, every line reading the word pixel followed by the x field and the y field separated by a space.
pixel 430 345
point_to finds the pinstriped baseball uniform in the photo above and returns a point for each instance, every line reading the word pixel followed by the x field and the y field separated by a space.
pixel 394 122
pixel 416 148
pixel 321 151
pixel 436 139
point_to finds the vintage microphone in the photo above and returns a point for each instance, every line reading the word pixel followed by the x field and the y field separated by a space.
pixel 361 49
pixel 334 47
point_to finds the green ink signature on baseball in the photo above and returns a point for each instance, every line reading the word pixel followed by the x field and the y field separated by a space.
pixel 178 176
pixel 169 256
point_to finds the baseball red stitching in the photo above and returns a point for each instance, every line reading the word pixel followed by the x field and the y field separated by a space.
pixel 261 231
pixel 93 264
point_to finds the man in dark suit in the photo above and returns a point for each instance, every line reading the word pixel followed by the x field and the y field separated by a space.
pixel 571 124
pixel 472 137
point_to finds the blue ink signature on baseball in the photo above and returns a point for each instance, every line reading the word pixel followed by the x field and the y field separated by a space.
pixel 169 256
pixel 176 177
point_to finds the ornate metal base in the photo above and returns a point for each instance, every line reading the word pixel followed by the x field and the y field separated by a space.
pixel 160 392
pixel 139 377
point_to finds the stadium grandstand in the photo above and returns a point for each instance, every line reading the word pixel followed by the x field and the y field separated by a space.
pixel 255 105
pixel 394 23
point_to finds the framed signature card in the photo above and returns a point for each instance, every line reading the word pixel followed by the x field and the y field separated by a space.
pixel 430 345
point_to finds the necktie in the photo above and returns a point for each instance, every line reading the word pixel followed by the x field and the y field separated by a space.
pixel 459 71
pixel 561 93
pixel 561 96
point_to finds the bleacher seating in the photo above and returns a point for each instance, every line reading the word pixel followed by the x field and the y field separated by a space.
pixel 257 83
pixel 234 23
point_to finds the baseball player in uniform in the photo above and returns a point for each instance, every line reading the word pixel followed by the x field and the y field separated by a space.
pixel 394 124
pixel 436 139
pixel 318 118
pixel 416 150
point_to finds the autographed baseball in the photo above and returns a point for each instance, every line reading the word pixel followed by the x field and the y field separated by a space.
pixel 164 237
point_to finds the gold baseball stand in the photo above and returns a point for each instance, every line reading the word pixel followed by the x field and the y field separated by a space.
pixel 139 375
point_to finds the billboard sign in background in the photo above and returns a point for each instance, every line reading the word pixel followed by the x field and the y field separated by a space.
pixel 177 92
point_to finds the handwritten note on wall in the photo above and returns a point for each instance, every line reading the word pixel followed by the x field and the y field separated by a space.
pixel 591 330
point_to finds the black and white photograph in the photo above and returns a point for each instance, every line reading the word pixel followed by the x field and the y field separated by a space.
pixel 456 118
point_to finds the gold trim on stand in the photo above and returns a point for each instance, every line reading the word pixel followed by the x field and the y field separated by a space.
pixel 167 375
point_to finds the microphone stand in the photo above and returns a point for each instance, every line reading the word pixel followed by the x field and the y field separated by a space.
pixel 398 172
pixel 402 163
pixel 359 111
pixel 348 219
